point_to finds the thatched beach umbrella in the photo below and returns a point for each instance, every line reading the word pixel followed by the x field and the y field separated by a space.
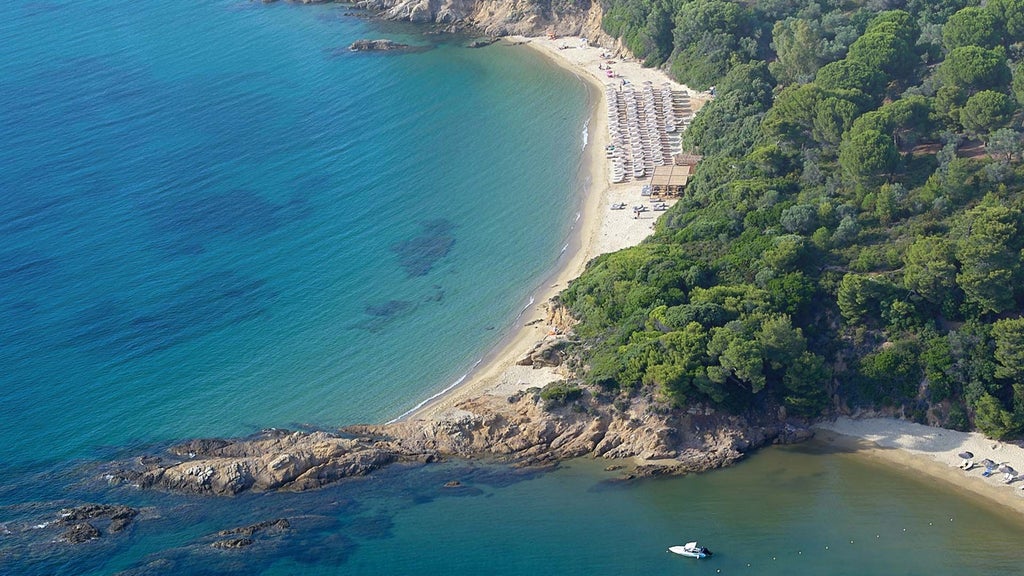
pixel 966 455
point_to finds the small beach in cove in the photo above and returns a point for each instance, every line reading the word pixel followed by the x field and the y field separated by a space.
pixel 932 453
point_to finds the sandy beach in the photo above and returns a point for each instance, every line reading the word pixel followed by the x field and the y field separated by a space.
pixel 931 452
pixel 600 230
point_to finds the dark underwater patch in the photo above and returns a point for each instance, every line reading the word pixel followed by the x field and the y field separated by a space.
pixel 309 543
pixel 103 81
pixel 187 223
pixel 418 255
pixel 375 527
pixel 389 309
pixel 380 314
pixel 26 280
pixel 239 212
pixel 214 302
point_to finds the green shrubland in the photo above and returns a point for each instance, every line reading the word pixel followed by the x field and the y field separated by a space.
pixel 854 234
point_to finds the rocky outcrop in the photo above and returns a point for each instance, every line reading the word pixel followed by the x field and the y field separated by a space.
pixel 271 460
pixel 81 532
pixel 545 353
pixel 498 17
pixel 523 431
pixel 267 526
pixel 232 543
pixel 558 317
pixel 517 430
pixel 381 45
pixel 493 17
pixel 242 537
pixel 81 521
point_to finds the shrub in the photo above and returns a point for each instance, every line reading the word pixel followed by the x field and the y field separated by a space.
pixel 560 393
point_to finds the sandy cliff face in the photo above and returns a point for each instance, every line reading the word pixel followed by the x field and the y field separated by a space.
pixel 497 17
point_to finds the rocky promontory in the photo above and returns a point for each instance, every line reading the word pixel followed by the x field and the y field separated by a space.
pixel 492 17
pixel 523 430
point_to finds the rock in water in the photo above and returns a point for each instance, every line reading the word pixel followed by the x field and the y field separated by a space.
pixel 278 525
pixel 382 45
pixel 81 532
pixel 232 543
pixel 117 518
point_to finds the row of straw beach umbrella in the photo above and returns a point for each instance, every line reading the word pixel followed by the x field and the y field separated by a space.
pixel 643 128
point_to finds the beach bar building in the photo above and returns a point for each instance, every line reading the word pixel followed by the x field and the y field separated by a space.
pixel 670 180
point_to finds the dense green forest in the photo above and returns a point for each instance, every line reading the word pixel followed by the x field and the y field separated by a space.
pixel 853 236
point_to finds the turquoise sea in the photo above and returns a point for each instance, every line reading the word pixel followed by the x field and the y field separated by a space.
pixel 216 219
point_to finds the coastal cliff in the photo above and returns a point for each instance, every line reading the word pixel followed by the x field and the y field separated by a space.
pixel 520 430
pixel 499 17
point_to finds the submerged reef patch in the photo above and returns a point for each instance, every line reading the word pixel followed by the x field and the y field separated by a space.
pixel 420 253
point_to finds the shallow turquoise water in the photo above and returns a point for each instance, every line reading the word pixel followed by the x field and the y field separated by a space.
pixel 218 219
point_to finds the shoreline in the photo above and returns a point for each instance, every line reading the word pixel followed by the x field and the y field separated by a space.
pixel 598 230
pixel 911 448
pixel 931 452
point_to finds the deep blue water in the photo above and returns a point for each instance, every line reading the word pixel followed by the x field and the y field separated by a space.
pixel 215 219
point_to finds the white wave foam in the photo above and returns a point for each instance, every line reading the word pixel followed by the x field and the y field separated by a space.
pixel 438 395
pixel 528 304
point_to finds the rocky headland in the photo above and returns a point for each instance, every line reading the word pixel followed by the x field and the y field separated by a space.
pixel 495 17
pixel 523 430
pixel 492 17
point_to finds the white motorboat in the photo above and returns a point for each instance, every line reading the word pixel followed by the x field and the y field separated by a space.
pixel 692 550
